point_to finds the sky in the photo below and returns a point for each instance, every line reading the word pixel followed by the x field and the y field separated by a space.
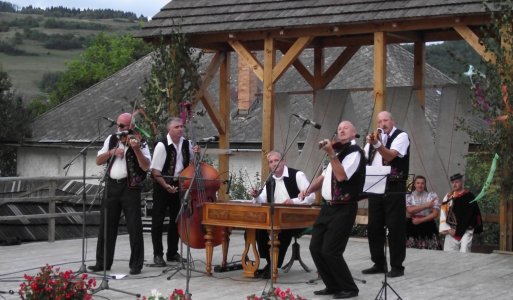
pixel 148 8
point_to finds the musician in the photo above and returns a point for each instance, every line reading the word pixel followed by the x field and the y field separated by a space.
pixel 391 146
pixel 128 159
pixel 340 184
pixel 284 185
pixel 459 219
pixel 172 155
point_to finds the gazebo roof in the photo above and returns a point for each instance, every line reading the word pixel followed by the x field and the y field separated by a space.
pixel 208 23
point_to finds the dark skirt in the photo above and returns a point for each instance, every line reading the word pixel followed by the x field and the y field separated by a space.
pixel 423 236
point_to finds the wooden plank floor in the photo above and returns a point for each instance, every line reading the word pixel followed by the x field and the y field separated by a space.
pixel 429 274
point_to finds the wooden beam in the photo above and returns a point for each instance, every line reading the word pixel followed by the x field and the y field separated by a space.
pixel 224 111
pixel 303 71
pixel 268 103
pixel 212 68
pixel 318 66
pixel 430 23
pixel 338 64
pixel 213 112
pixel 473 40
pixel 380 74
pixel 419 71
pixel 249 57
pixel 290 57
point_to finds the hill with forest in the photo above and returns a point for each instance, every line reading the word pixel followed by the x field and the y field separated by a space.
pixel 37 44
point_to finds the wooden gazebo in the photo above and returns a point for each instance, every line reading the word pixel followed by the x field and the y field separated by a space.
pixel 290 26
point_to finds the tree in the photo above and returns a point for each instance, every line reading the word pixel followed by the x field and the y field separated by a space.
pixel 105 56
pixel 492 101
pixel 14 120
pixel 174 80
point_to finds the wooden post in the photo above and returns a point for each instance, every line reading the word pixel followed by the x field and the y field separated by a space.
pixel 224 111
pixel 52 186
pixel 380 74
pixel 419 71
pixel 268 103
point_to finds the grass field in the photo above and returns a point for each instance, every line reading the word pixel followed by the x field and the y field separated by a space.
pixel 26 71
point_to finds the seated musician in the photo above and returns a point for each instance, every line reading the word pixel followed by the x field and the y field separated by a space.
pixel 286 184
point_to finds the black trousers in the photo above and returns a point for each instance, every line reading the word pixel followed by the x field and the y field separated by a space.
pixel 285 238
pixel 389 211
pixel 162 202
pixel 119 199
pixel 330 235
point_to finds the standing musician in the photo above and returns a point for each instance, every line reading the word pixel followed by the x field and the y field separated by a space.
pixel 391 146
pixel 129 160
pixel 460 218
pixel 171 156
pixel 285 184
pixel 341 183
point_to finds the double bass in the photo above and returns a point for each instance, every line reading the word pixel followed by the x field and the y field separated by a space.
pixel 201 182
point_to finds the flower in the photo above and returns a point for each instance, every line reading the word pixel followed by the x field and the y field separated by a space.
pixel 50 283
pixel 277 294
pixel 177 294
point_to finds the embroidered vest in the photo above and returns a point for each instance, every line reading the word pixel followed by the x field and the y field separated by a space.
pixel 349 190
pixel 170 162
pixel 400 166
pixel 290 185
pixel 135 175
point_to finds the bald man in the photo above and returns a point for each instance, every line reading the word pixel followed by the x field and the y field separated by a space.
pixel 340 184
pixel 390 147
pixel 128 159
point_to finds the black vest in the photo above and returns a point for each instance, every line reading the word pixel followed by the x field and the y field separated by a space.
pixel 290 184
pixel 170 163
pixel 400 166
pixel 349 190
pixel 135 174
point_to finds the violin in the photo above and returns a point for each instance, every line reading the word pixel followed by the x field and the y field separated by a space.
pixel 337 145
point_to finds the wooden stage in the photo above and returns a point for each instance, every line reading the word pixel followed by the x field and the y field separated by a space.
pixel 428 275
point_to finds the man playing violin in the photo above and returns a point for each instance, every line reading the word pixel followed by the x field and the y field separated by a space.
pixel 341 183
pixel 172 155
pixel 284 185
pixel 128 159
pixel 390 146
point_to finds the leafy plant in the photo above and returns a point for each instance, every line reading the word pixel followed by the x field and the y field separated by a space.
pixel 51 284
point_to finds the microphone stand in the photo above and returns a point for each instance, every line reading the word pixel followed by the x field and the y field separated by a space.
pixel 268 294
pixel 83 153
pixel 186 205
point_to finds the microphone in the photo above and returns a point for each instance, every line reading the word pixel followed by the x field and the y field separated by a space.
pixel 210 139
pixel 112 122
pixel 308 121
pixel 124 132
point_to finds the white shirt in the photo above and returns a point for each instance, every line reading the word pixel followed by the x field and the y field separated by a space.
pixel 349 163
pixel 280 191
pixel 118 169
pixel 160 154
pixel 399 144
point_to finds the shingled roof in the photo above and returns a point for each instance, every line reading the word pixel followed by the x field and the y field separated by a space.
pixel 224 17
pixel 77 120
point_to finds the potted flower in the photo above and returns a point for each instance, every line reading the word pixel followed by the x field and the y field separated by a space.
pixel 277 294
pixel 177 294
pixel 52 284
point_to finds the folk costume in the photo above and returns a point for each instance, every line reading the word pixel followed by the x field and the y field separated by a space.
pixel 390 209
pixel 123 187
pixel 282 188
pixel 464 217
pixel 170 159
pixel 425 234
pixel 333 227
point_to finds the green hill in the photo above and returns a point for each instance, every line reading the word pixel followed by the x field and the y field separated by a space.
pixel 32 45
